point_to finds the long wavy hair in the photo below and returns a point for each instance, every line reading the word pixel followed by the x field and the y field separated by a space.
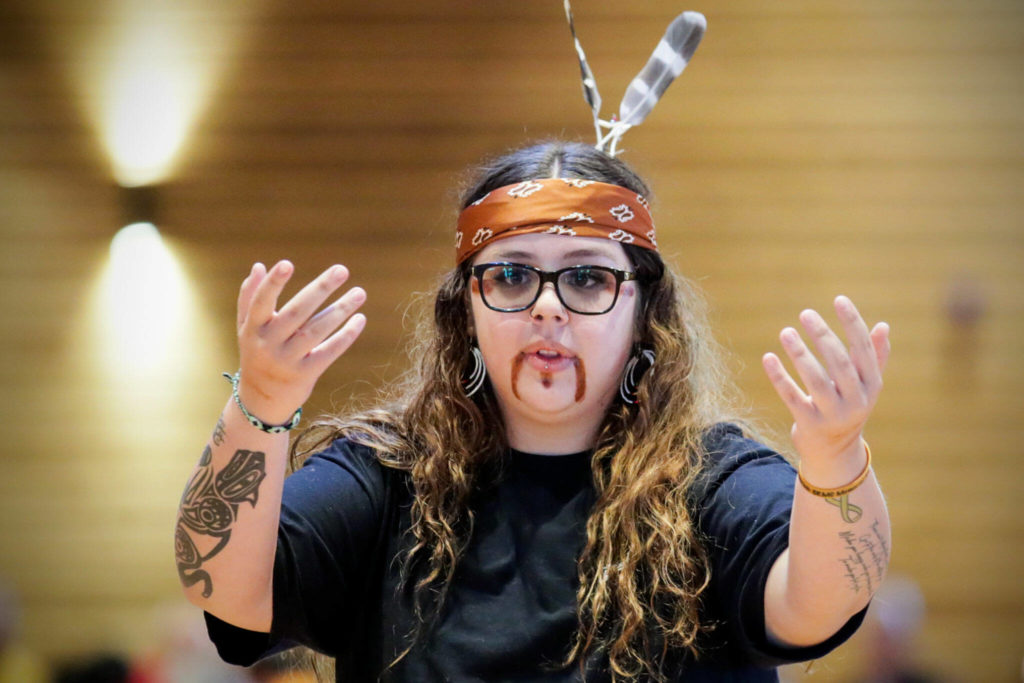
pixel 643 568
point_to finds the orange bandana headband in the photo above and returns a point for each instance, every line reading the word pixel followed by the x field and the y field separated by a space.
pixel 558 206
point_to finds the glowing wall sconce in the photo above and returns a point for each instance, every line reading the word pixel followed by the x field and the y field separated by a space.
pixel 154 90
pixel 144 296
pixel 147 76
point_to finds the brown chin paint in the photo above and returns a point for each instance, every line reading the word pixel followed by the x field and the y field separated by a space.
pixel 517 366
pixel 581 378
pixel 545 377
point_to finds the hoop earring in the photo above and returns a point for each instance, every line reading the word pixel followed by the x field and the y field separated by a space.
pixel 474 377
pixel 637 366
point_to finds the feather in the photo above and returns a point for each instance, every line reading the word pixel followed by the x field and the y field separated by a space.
pixel 669 59
pixel 590 93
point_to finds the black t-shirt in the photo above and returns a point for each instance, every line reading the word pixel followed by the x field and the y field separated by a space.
pixel 510 611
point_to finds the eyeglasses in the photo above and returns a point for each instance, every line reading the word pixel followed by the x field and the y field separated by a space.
pixel 511 287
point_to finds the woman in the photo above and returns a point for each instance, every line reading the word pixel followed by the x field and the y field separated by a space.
pixel 527 505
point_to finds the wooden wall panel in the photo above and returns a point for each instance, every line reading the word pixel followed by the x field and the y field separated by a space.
pixel 813 147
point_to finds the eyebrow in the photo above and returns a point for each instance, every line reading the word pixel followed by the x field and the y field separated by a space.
pixel 574 254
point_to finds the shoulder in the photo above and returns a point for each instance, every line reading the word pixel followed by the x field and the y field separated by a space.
pixel 346 453
pixel 346 465
pixel 739 465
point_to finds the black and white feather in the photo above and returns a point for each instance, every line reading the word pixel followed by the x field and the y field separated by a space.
pixel 590 93
pixel 668 60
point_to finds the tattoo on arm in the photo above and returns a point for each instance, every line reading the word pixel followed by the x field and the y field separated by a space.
pixel 851 513
pixel 209 507
pixel 866 559
pixel 219 432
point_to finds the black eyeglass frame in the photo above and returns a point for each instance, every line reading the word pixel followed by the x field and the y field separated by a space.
pixel 546 276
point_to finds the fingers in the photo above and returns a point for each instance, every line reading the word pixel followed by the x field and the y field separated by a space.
pixel 295 314
pixel 264 300
pixel 334 346
pixel 849 374
pixel 881 345
pixel 841 378
pixel 325 322
pixel 798 403
pixel 245 292
pixel 818 382
pixel 862 351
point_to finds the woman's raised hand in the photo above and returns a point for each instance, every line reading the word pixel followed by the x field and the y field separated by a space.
pixel 284 352
pixel 840 390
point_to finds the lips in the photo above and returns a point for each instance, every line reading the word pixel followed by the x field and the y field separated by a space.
pixel 546 356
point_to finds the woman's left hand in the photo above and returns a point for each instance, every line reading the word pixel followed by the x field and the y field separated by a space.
pixel 841 389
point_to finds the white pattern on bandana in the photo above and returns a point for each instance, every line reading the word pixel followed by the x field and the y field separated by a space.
pixel 576 182
pixel 525 189
pixel 481 236
pixel 621 236
pixel 623 213
pixel 577 216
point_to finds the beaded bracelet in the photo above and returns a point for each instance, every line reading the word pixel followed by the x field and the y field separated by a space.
pixel 255 421
pixel 842 490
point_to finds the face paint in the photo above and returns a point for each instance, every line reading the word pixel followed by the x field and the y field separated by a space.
pixel 581 378
pixel 546 378
pixel 517 365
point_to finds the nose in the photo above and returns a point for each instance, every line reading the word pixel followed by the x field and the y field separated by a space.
pixel 548 306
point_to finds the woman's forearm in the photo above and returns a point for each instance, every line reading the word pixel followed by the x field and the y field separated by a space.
pixel 839 550
pixel 226 532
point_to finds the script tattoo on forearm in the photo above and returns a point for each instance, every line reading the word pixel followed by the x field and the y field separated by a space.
pixel 867 556
pixel 219 432
pixel 209 507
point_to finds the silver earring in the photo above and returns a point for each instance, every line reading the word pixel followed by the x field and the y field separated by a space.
pixel 637 365
pixel 474 377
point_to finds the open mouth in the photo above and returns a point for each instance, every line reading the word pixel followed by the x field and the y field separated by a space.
pixel 548 359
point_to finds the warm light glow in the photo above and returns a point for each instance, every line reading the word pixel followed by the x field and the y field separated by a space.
pixel 153 96
pixel 150 112
pixel 144 311
pixel 146 74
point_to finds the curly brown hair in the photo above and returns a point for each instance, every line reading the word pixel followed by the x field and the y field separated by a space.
pixel 643 568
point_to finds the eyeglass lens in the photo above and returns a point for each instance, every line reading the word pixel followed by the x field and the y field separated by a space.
pixel 584 289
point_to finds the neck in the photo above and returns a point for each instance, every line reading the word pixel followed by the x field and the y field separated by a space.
pixel 560 437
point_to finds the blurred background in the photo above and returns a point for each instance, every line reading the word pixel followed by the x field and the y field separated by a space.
pixel 812 148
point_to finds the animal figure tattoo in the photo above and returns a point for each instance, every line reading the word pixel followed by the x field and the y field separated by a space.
pixel 209 507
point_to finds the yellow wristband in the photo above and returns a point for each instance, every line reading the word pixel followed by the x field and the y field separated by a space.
pixel 842 490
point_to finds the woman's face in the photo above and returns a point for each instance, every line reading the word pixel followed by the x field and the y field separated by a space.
pixel 554 371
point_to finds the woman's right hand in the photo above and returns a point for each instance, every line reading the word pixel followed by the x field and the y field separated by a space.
pixel 284 352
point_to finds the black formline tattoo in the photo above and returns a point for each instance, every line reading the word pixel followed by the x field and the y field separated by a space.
pixel 219 432
pixel 866 558
pixel 209 506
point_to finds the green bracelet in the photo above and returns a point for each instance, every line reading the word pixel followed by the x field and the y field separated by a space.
pixel 255 421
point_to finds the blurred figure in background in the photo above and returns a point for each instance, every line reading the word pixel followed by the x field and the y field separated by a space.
pixel 181 652
pixel 18 664
pixel 893 623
